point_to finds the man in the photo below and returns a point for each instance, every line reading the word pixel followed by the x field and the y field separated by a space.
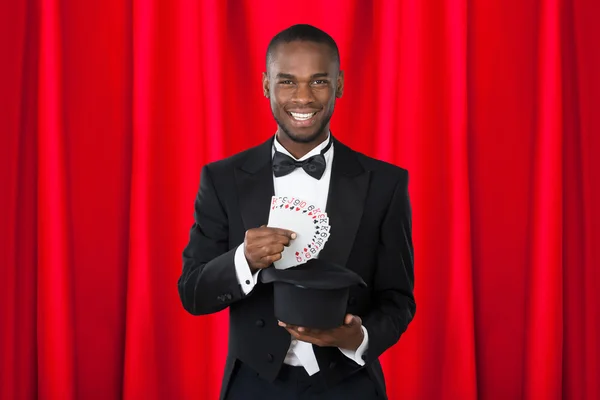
pixel 369 213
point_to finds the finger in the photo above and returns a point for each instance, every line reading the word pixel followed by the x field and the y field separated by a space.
pixel 290 326
pixel 256 232
pixel 321 341
pixel 264 231
pixel 352 320
pixel 268 231
pixel 305 338
pixel 259 243
pixel 276 239
pixel 311 331
pixel 294 334
pixel 301 329
pixel 257 257
pixel 268 260
pixel 272 249
pixel 284 232
pixel 286 241
pixel 295 328
pixel 358 320
pixel 266 254
pixel 304 331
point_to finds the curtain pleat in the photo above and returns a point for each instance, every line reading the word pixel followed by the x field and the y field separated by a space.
pixel 55 301
pixel 110 109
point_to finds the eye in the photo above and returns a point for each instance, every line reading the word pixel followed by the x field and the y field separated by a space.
pixel 286 82
pixel 320 82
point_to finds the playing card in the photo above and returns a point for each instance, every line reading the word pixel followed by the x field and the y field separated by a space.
pixel 310 224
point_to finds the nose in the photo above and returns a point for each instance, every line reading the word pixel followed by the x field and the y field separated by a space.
pixel 304 94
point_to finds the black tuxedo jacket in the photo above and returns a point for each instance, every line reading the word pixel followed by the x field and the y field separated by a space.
pixel 370 218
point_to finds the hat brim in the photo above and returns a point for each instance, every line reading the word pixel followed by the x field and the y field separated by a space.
pixel 314 274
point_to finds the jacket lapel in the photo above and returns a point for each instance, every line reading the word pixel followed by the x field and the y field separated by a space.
pixel 345 201
pixel 254 181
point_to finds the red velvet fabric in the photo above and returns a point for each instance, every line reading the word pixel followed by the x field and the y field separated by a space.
pixel 108 110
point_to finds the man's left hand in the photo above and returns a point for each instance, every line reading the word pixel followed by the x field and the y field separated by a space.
pixel 348 336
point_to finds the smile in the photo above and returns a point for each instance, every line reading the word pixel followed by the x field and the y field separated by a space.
pixel 302 116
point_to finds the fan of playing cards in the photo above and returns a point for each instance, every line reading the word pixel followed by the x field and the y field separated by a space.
pixel 308 221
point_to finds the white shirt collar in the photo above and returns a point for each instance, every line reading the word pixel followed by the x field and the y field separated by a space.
pixel 313 152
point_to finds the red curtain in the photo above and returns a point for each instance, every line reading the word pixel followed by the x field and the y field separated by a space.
pixel 108 110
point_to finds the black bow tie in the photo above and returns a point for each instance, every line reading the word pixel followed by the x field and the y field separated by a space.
pixel 314 166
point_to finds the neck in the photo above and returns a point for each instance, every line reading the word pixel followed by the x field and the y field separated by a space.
pixel 299 149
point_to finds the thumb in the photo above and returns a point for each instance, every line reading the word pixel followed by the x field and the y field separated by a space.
pixel 351 320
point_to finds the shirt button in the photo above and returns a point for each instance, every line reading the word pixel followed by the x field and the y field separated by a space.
pixel 260 323
pixel 270 357
pixel 247 282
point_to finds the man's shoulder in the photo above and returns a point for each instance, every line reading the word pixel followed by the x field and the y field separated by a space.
pixel 381 168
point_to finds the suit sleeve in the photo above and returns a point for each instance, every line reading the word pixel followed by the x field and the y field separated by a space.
pixel 393 300
pixel 208 282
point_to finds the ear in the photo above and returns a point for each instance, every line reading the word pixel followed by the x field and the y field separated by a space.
pixel 265 84
pixel 340 85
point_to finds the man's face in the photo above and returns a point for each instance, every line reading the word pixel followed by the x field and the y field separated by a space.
pixel 302 82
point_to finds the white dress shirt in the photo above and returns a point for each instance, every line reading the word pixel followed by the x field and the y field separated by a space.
pixel 299 184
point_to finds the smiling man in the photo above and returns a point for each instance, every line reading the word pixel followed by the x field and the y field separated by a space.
pixel 369 213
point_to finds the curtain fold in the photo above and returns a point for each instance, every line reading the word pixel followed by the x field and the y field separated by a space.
pixel 110 109
pixel 141 369
pixel 460 332
pixel 543 362
pixel 55 301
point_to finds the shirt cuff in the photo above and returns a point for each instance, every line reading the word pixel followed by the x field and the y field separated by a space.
pixel 245 277
pixel 357 356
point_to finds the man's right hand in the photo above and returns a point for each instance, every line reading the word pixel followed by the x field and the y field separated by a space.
pixel 263 246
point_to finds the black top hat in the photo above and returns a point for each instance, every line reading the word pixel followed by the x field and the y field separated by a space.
pixel 313 295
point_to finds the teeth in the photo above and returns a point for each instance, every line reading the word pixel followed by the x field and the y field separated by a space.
pixel 302 116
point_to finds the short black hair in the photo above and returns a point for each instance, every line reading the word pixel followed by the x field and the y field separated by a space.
pixel 303 32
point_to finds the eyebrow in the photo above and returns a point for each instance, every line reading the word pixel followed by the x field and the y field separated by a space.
pixel 290 76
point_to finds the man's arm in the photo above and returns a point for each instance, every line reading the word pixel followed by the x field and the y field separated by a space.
pixel 393 304
pixel 208 282
pixel 215 276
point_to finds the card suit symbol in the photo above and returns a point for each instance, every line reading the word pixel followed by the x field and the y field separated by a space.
pixel 305 249
pixel 287 205
pixel 309 246
pixel 297 208
pixel 292 209
pixel 310 213
pixel 315 222
pixel 317 232
pixel 304 212
pixel 297 253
